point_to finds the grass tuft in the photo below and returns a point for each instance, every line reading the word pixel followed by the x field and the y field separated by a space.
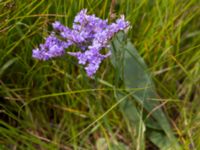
pixel 54 105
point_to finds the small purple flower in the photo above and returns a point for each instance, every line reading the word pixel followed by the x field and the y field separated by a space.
pixel 57 25
pixel 94 63
pixel 121 23
pixel 90 33
pixel 81 16
pixel 53 47
pixel 82 59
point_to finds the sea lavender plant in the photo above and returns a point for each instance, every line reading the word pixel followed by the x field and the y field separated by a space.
pixel 90 33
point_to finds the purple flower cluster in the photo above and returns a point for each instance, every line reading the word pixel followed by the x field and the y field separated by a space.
pixel 90 33
pixel 52 47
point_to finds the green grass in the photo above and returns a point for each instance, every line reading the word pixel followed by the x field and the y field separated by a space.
pixel 54 105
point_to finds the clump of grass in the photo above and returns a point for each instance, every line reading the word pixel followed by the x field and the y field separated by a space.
pixel 54 105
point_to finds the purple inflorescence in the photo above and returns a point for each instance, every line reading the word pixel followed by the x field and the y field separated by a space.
pixel 53 47
pixel 89 33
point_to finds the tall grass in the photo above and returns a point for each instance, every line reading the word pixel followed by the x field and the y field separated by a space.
pixel 54 105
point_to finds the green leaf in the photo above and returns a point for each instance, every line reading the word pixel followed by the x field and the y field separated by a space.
pixel 101 144
pixel 132 70
pixel 134 117
pixel 7 65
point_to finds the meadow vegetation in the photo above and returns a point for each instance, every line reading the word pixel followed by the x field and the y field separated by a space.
pixel 54 105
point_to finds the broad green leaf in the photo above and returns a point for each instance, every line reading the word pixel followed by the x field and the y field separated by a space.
pixel 134 117
pixel 162 141
pixel 132 70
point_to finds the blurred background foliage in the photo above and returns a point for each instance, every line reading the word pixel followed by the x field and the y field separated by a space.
pixel 54 105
